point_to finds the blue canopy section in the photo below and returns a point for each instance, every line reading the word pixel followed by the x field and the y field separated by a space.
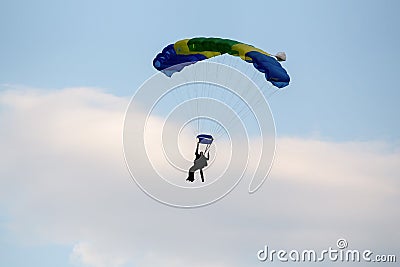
pixel 169 62
pixel 205 139
pixel 272 69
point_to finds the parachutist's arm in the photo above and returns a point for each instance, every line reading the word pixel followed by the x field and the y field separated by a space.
pixel 197 149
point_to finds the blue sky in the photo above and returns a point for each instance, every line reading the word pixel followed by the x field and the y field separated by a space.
pixel 342 58
pixel 342 55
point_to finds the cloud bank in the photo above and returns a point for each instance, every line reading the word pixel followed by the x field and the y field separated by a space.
pixel 64 181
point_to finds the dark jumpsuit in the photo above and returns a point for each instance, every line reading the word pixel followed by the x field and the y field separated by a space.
pixel 199 163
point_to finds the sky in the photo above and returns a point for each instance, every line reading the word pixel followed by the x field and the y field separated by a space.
pixel 68 70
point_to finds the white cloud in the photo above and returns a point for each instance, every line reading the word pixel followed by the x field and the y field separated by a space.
pixel 85 253
pixel 63 180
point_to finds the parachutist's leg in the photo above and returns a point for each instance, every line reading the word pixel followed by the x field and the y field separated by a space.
pixel 191 174
pixel 202 175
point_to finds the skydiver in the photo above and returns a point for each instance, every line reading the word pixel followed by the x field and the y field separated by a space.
pixel 199 163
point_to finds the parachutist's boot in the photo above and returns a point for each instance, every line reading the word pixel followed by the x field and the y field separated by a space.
pixel 190 177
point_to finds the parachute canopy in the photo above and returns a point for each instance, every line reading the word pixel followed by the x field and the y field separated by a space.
pixel 175 57
pixel 205 139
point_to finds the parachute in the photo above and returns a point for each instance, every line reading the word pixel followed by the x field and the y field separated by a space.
pixel 177 56
pixel 218 95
